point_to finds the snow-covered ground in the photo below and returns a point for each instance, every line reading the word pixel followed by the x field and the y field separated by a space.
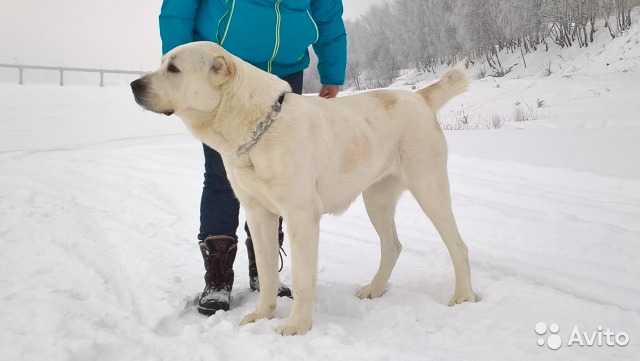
pixel 99 210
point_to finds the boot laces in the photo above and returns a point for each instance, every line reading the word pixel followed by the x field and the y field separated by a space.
pixel 280 252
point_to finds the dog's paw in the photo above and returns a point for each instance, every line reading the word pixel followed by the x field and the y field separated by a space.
pixel 291 328
pixel 370 291
pixel 462 298
pixel 255 316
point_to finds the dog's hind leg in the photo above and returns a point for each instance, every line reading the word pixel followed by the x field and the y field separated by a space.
pixel 380 200
pixel 264 232
pixel 428 182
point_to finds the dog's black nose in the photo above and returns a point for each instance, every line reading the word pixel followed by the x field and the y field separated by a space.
pixel 138 86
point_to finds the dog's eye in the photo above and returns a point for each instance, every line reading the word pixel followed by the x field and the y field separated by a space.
pixel 173 69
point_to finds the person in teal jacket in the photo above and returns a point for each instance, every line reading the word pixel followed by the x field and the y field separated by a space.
pixel 273 35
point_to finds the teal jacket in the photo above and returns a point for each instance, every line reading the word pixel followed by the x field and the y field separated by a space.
pixel 273 35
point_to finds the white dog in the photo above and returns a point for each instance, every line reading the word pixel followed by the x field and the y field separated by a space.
pixel 301 157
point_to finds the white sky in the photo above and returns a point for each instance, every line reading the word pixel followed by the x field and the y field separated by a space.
pixel 90 33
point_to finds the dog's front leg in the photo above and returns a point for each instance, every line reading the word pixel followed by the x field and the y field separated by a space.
pixel 264 232
pixel 303 230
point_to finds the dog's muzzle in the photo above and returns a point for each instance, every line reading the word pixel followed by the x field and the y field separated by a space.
pixel 139 88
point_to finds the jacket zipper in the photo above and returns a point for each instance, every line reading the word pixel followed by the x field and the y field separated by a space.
pixel 276 46
pixel 315 25
pixel 226 29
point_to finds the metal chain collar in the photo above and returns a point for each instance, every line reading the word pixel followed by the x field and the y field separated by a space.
pixel 262 127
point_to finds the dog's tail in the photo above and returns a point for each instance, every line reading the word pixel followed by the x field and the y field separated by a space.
pixel 453 82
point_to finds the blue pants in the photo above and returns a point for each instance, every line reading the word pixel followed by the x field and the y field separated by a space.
pixel 219 207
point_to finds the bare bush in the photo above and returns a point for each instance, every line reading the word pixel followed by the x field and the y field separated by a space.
pixel 482 73
pixel 522 112
pixel 497 121
pixel 547 69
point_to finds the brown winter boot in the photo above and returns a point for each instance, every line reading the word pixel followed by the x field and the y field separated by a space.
pixel 218 253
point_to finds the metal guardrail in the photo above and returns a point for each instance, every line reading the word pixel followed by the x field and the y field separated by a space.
pixel 61 70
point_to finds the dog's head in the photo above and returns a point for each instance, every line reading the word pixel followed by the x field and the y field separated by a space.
pixel 191 78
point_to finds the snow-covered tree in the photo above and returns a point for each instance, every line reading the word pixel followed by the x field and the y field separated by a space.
pixel 424 34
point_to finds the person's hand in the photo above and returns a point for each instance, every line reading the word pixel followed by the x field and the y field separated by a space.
pixel 329 91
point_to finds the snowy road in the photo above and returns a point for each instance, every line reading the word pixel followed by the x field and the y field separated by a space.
pixel 99 206
pixel 99 262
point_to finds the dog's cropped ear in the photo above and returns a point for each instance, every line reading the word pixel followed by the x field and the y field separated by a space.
pixel 224 67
